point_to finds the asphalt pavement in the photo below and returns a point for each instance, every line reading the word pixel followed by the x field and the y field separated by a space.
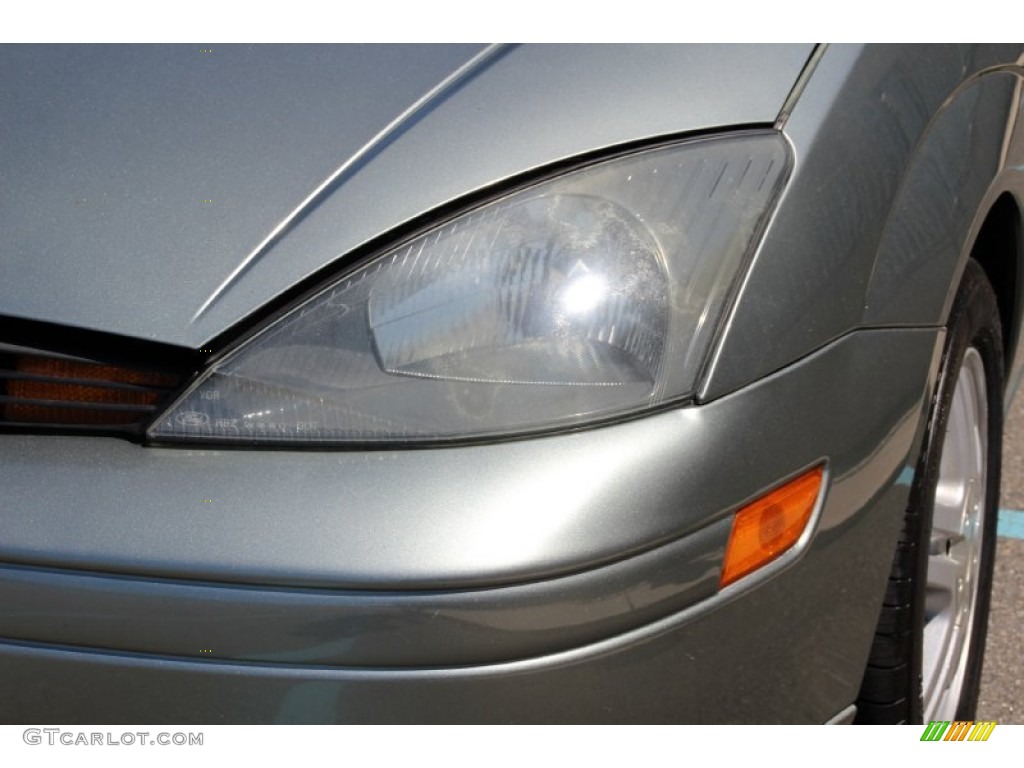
pixel 1002 681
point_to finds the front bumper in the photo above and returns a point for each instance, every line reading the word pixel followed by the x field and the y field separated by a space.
pixel 569 578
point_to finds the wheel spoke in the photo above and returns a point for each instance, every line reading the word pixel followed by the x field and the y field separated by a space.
pixel 944 573
pixel 948 519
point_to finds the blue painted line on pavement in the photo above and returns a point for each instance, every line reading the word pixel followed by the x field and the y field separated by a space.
pixel 1011 523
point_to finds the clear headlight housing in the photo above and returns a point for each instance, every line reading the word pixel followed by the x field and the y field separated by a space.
pixel 584 297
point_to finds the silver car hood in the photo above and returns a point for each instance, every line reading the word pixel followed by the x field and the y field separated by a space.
pixel 166 192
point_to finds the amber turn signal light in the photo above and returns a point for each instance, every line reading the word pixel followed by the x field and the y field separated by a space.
pixel 43 390
pixel 767 527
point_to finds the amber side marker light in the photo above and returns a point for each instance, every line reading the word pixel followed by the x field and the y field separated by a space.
pixel 770 525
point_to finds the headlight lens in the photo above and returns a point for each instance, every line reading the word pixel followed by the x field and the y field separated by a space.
pixel 584 297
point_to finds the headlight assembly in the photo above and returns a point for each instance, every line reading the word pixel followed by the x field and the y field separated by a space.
pixel 592 295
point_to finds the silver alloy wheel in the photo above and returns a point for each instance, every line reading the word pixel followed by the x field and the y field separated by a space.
pixel 954 557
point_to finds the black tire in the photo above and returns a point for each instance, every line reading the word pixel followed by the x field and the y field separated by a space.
pixel 891 691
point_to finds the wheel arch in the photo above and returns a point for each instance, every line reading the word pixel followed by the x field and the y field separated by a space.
pixel 956 201
pixel 997 248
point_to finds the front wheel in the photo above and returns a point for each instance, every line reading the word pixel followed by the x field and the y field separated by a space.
pixel 925 662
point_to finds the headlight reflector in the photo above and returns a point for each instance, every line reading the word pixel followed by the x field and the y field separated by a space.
pixel 591 295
